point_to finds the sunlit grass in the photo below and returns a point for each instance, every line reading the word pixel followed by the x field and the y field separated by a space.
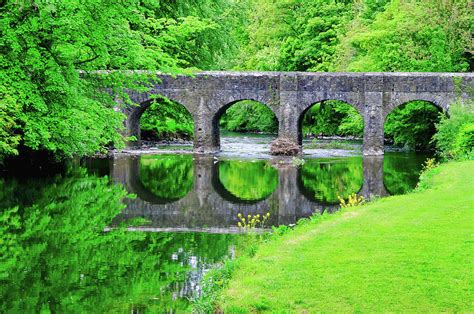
pixel 404 253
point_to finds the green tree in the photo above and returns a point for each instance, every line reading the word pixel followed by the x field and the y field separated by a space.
pixel 56 257
pixel 249 116
pixel 48 104
pixel 409 36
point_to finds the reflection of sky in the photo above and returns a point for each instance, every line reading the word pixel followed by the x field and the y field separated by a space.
pixel 190 286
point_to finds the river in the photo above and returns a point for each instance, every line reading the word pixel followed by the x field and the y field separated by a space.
pixel 137 232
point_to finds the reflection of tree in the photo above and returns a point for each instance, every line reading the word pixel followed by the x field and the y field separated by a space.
pixel 55 256
pixel 167 176
pixel 248 180
pixel 402 171
pixel 328 179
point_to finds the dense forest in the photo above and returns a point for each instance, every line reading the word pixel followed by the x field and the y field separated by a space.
pixel 52 101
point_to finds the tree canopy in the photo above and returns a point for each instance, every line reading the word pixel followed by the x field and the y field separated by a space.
pixel 51 100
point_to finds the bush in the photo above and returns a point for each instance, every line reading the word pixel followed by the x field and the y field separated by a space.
pixel 249 116
pixel 412 125
pixel 165 120
pixel 333 117
pixel 454 137
pixel 464 143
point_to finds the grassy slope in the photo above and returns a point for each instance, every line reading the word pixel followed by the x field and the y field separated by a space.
pixel 402 253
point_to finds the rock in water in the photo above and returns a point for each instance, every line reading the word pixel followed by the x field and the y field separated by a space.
pixel 284 147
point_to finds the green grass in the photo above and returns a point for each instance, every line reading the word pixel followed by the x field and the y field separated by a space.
pixel 404 253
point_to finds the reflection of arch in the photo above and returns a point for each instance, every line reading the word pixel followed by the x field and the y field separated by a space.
pixel 141 191
pixel 310 195
pixel 226 194
pixel 308 105
pixel 138 110
pixel 307 193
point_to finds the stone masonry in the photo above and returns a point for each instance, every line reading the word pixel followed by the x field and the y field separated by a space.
pixel 289 95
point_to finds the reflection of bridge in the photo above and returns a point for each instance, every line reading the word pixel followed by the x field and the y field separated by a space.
pixel 289 95
pixel 210 205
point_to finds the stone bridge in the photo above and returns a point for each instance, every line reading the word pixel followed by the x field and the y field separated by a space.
pixel 289 95
pixel 209 206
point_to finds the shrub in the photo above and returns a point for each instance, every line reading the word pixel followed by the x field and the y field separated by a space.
pixel 464 144
pixel 454 137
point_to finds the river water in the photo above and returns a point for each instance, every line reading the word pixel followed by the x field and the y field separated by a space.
pixel 136 233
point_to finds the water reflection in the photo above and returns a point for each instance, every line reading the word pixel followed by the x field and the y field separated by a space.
pixel 58 253
pixel 402 171
pixel 323 181
pixel 57 258
pixel 221 189
pixel 248 180
pixel 168 177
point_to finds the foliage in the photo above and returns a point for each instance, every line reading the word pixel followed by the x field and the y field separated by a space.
pixel 212 284
pixel 168 177
pixel 464 144
pixel 352 201
pixel 401 171
pixel 166 120
pixel 333 118
pixel 53 106
pixel 202 34
pixel 413 125
pixel 325 180
pixel 397 254
pixel 56 256
pixel 249 116
pixel 294 35
pixel 409 36
pixel 429 164
pixel 366 35
pixel 453 139
pixel 248 180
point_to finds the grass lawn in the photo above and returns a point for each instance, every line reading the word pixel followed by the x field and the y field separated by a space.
pixel 403 253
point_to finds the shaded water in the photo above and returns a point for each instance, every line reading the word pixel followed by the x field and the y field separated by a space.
pixel 66 248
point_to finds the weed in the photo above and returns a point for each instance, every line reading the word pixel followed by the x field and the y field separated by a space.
pixel 352 201
pixel 429 164
pixel 297 162
pixel 251 222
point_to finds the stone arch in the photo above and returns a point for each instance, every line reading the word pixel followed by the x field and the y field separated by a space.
pixel 135 112
pixel 351 100
pixel 223 106
pixel 435 101
pixel 442 102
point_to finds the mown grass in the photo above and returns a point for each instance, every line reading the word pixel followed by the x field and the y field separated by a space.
pixel 404 253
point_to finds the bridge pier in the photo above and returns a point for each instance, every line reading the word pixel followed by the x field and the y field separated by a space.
pixel 374 124
pixel 373 185
pixel 206 134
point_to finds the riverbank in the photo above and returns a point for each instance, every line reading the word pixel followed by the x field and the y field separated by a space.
pixel 403 253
